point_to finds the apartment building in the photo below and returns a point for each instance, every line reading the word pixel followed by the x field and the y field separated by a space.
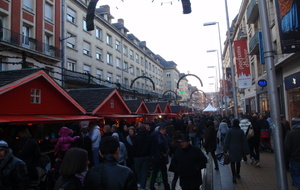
pixel 247 25
pixel 30 35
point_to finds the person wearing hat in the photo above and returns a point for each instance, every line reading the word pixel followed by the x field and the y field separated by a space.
pixel 13 171
pixel 188 161
pixel 292 150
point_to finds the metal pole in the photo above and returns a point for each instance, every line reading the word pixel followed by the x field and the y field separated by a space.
pixel 223 75
pixel 273 96
pixel 219 90
pixel 231 65
pixel 63 43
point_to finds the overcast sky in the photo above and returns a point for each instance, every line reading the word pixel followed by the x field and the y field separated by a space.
pixel 179 37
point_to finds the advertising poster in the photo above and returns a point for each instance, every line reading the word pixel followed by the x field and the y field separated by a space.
pixel 242 64
pixel 289 25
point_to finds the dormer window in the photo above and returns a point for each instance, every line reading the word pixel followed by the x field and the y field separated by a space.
pixel 35 96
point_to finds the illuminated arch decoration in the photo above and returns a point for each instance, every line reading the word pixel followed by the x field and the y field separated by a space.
pixel 176 97
pixel 189 75
pixel 197 91
pixel 145 77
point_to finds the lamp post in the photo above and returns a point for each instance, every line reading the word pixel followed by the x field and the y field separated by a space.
pixel 216 86
pixel 223 68
pixel 218 82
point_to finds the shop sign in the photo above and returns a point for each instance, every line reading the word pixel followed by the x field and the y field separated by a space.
pixel 262 83
pixel 292 81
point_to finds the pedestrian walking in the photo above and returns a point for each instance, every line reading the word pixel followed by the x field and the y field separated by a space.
pixel 236 145
pixel 72 170
pixel 210 141
pixel 223 128
pixel 13 171
pixel 95 136
pixel 109 175
pixel 159 156
pixel 292 150
pixel 188 161
pixel 254 141
pixel 123 154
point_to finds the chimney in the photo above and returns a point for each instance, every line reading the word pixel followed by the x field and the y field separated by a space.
pixel 121 21
pixel 106 7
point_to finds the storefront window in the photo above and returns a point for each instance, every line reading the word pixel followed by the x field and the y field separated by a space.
pixel 294 102
pixel 263 103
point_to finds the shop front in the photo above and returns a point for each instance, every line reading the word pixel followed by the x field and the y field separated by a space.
pixel 292 87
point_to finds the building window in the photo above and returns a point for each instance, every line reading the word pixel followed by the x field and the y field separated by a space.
pixel 48 12
pixel 108 40
pixel 138 72
pixel 118 63
pixel 28 5
pixel 35 96
pixel 109 59
pixel 71 65
pixel 118 45
pixel 86 48
pixel 71 15
pixel 131 54
pixel 125 66
pixel 47 44
pixel 131 69
pixel 99 54
pixel 168 84
pixel 112 103
pixel 100 76
pixel 168 74
pixel 142 61
pixel 109 79
pixel 99 33
pixel 125 50
pixel 84 24
pixel 87 68
pixel 25 36
pixel 71 41
pixel 118 79
pixel 137 58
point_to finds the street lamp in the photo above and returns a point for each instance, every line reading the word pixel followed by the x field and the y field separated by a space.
pixel 216 85
pixel 223 69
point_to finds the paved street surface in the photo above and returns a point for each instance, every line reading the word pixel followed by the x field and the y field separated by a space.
pixel 252 178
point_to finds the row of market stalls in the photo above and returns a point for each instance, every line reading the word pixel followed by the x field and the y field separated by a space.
pixel 30 97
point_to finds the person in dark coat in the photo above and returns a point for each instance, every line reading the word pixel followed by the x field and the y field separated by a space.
pixel 188 161
pixel 13 171
pixel 210 141
pixel 72 170
pixel 142 155
pixel 109 174
pixel 236 145
pixel 28 150
pixel 254 141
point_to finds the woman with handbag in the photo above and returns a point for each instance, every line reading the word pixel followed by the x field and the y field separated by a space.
pixel 236 146
pixel 254 140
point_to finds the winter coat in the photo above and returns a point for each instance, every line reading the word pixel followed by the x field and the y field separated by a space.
pixel 70 183
pixel 123 154
pixel 110 175
pixel 291 144
pixel 28 150
pixel 188 162
pixel 65 140
pixel 142 145
pixel 13 173
pixel 210 139
pixel 223 127
pixel 95 136
pixel 236 144
pixel 160 145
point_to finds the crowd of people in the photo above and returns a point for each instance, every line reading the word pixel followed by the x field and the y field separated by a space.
pixel 131 155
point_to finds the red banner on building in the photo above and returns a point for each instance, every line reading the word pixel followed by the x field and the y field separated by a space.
pixel 242 64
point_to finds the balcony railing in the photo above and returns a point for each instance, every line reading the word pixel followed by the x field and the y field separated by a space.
pixel 252 12
pixel 29 43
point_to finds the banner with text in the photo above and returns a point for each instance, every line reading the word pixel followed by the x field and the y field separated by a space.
pixel 242 64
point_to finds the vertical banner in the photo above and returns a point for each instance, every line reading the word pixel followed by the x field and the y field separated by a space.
pixel 289 29
pixel 261 49
pixel 229 89
pixel 242 64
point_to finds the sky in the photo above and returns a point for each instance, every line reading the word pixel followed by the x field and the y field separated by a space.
pixel 179 37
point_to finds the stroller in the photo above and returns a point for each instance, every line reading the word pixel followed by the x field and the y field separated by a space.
pixel 265 141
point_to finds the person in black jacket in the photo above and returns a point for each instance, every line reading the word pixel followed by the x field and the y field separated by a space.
pixel 142 152
pixel 13 171
pixel 210 141
pixel 72 170
pixel 109 174
pixel 292 150
pixel 188 161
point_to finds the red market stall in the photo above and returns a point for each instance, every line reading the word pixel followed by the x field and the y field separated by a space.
pixel 104 102
pixel 154 111
pixel 137 107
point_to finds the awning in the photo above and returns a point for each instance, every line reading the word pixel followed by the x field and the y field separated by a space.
pixel 120 116
pixel 24 119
